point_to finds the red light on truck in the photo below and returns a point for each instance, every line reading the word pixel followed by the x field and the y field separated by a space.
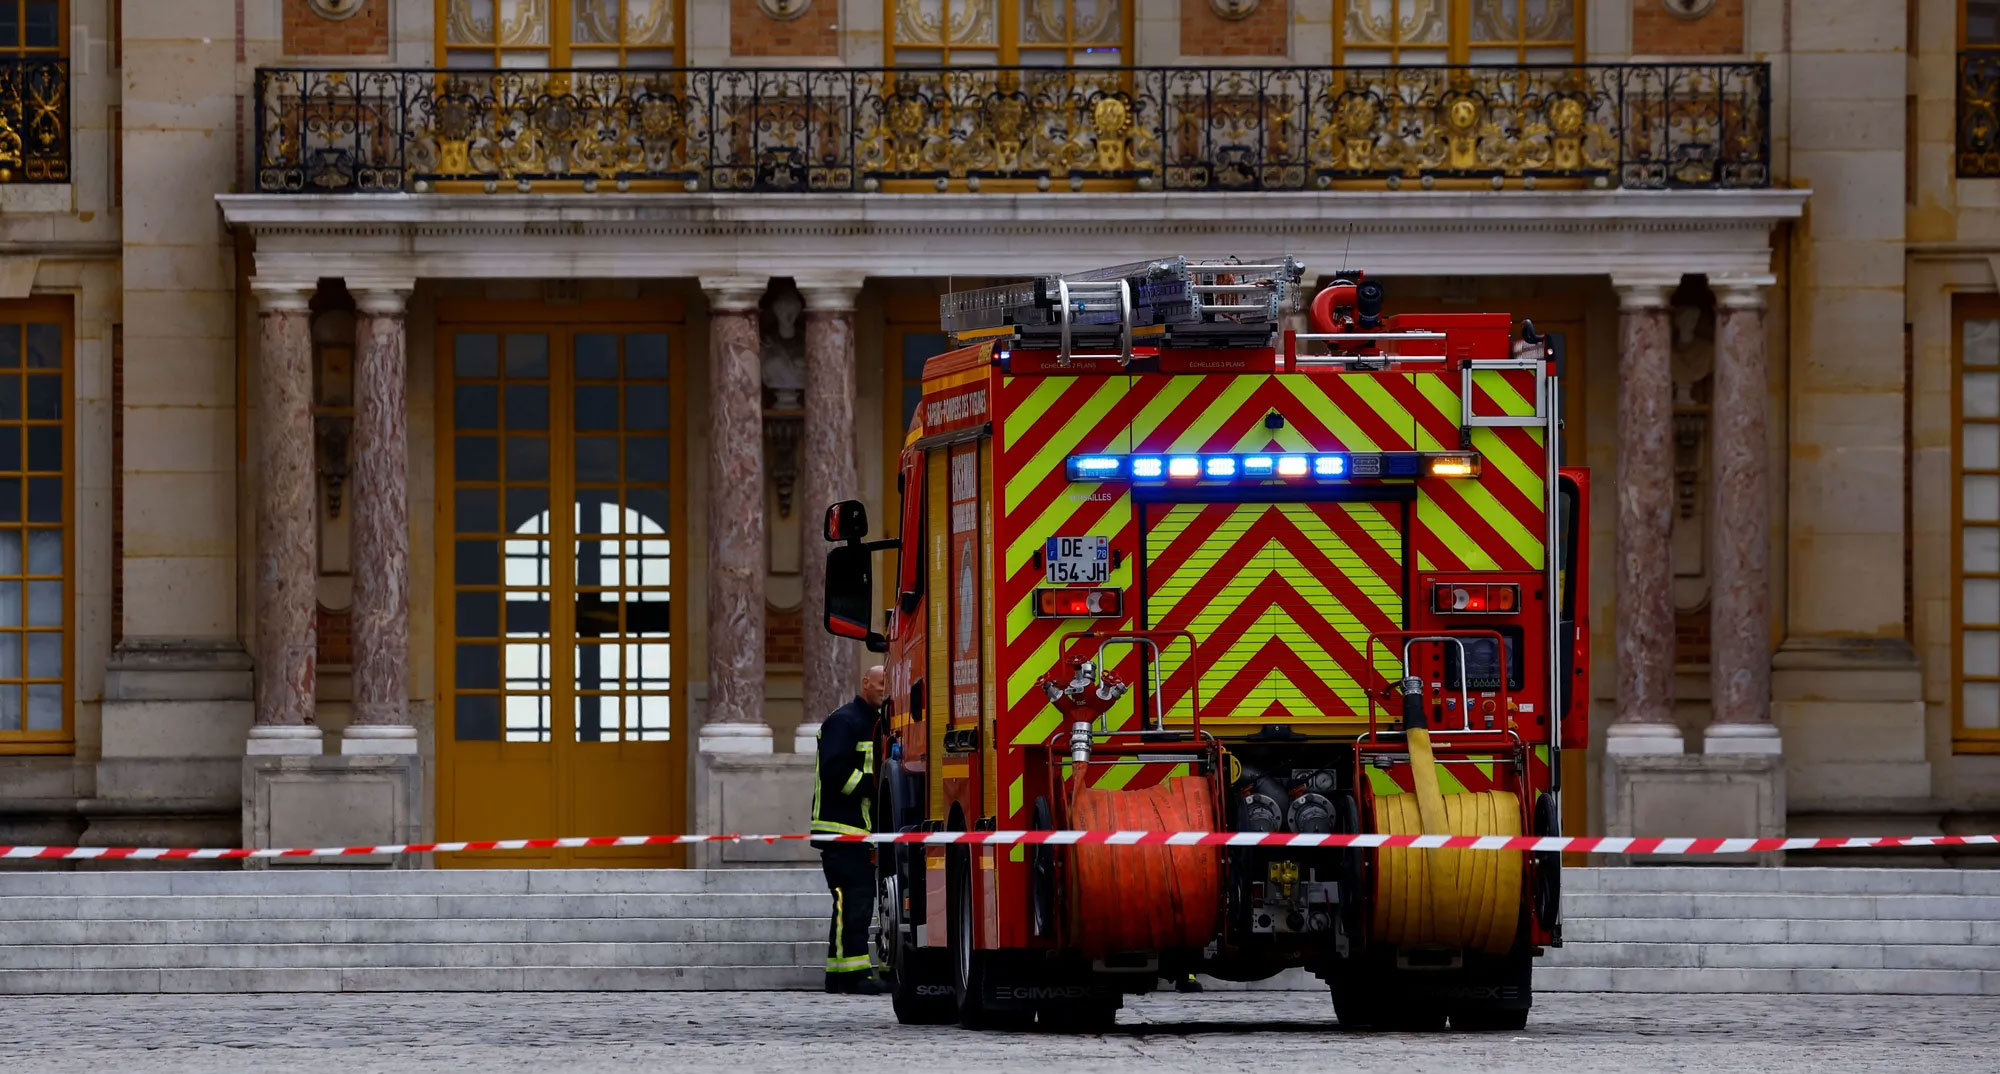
pixel 1078 604
pixel 1475 598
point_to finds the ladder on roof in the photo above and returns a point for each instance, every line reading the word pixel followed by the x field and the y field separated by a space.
pixel 1176 301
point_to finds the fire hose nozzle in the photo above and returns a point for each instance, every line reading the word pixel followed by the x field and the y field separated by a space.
pixel 1079 743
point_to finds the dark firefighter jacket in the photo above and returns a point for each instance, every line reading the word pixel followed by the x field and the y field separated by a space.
pixel 844 779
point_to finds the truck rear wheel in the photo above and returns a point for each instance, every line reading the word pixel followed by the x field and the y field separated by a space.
pixel 970 966
pixel 923 994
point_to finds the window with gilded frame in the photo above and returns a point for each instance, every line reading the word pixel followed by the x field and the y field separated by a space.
pixel 36 501
pixel 1050 33
pixel 34 28
pixel 560 33
pixel 1975 597
pixel 1979 24
pixel 1369 32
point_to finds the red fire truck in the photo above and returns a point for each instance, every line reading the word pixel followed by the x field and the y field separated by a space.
pixel 1164 564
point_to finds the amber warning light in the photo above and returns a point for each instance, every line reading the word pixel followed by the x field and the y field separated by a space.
pixel 1475 597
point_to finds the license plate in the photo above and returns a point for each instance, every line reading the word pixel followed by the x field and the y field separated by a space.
pixel 1078 561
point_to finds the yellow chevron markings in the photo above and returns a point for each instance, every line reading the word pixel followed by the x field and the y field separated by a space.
pixel 1333 417
pixel 1392 412
pixel 1519 537
pixel 1384 782
pixel 1150 417
pixel 1089 409
pixel 1508 463
pixel 1223 597
pixel 1447 531
pixel 1497 386
pixel 1209 422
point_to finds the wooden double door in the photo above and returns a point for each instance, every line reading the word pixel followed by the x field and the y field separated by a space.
pixel 560 619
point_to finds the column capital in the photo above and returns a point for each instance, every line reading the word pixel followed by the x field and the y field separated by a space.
pixel 1644 292
pixel 1741 292
pixel 381 297
pixel 734 294
pixel 835 294
pixel 288 295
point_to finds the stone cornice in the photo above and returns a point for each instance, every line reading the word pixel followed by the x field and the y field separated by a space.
pixel 1468 232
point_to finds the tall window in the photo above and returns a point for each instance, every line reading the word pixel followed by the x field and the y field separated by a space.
pixel 1052 33
pixel 1976 517
pixel 1458 31
pixel 35 668
pixel 34 91
pixel 559 33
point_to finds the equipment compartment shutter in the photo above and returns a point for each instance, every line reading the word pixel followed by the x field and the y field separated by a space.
pixel 1282 598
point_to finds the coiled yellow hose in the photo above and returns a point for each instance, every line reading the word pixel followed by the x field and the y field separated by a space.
pixel 1454 898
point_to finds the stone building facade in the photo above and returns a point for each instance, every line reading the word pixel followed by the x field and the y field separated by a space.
pixel 424 406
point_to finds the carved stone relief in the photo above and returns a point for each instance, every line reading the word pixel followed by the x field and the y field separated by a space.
pixel 783 364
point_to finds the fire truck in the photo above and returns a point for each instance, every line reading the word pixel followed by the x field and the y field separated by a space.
pixel 1165 562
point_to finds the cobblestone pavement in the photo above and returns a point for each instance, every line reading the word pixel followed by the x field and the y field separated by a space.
pixel 548 1033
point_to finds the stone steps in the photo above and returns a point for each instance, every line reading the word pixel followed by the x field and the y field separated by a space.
pixel 1781 981
pixel 252 956
pixel 417 979
pixel 422 930
pixel 476 907
pixel 300 930
pixel 1659 929
pixel 295 881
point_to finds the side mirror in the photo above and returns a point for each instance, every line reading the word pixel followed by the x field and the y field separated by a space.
pixel 847 521
pixel 850 588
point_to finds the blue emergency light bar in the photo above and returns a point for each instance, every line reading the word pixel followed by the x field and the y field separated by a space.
pixel 1273 466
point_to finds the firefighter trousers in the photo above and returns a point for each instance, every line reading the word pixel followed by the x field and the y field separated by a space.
pixel 850 876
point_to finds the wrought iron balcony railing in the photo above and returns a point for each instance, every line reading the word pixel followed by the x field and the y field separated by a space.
pixel 34 119
pixel 1637 126
pixel 1978 114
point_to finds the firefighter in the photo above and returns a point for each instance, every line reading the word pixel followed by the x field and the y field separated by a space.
pixel 843 800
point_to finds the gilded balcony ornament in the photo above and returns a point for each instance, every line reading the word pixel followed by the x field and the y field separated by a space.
pixel 1112 119
pixel 1360 115
pixel 1462 113
pixel 10 151
pixel 745 130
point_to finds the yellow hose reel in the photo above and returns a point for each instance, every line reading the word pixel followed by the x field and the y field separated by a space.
pixel 1449 898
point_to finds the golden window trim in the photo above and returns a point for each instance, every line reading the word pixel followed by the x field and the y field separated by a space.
pixel 1965 739
pixel 1006 47
pixel 1965 45
pixel 1458 45
pixel 57 741
pixel 20 48
pixel 560 49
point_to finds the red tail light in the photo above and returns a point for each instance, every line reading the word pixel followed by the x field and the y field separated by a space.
pixel 1475 598
pixel 1078 604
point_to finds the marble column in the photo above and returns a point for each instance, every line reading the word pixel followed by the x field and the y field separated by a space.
pixel 1645 491
pixel 381 530
pixel 1740 527
pixel 828 453
pixel 286 487
pixel 736 554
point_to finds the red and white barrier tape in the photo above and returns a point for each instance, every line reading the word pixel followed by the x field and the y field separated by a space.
pixel 1567 844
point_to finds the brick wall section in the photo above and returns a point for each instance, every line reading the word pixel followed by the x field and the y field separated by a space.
pixel 753 33
pixel 1658 32
pixel 365 34
pixel 784 643
pixel 1261 33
